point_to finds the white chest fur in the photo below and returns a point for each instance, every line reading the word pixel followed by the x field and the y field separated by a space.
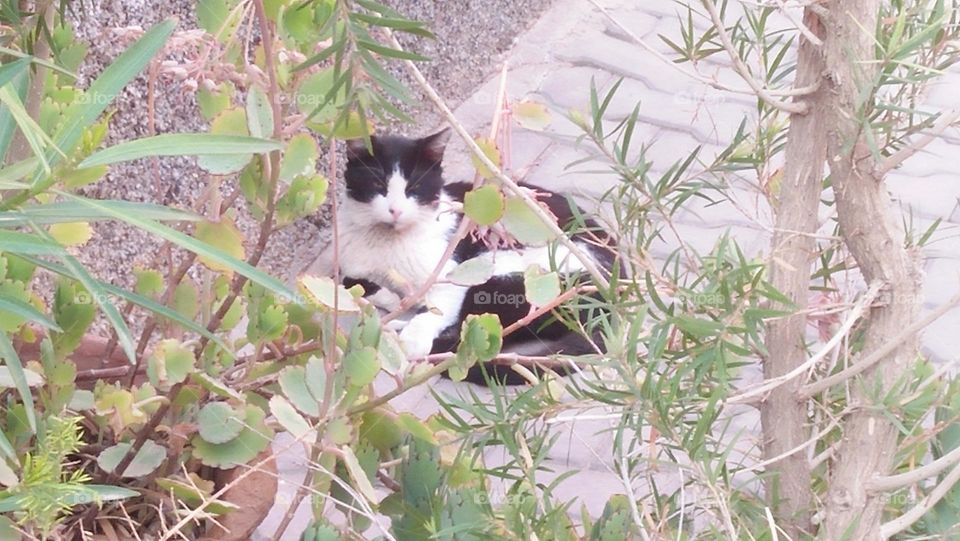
pixel 386 256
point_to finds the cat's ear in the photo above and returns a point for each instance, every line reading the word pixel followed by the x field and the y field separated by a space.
pixel 432 146
pixel 357 148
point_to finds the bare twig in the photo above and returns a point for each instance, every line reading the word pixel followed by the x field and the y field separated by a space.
pixel 893 482
pixel 713 83
pixel 892 161
pixel 770 384
pixel 892 344
pixel 759 89
pixel 904 521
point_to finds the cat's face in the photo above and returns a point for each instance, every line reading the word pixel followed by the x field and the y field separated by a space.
pixel 397 185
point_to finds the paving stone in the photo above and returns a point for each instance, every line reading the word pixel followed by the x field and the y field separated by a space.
pixel 932 196
pixel 940 341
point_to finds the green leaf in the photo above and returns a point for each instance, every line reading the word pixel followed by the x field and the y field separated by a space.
pixel 472 272
pixel 182 144
pixel 12 361
pixel 79 272
pixel 24 243
pixel 148 458
pixel 72 211
pixel 288 417
pixel 480 340
pixel 361 366
pixel 541 288
pixel 323 290
pixel 299 158
pixel 107 86
pixel 231 122
pixel 170 363
pixel 293 383
pixel 192 244
pixel 214 102
pixel 224 236
pixel 521 222
pixel 12 70
pixel 218 422
pixel 253 439
pixel 304 196
pixel 259 114
pixel 485 205
pixel 390 52
pixel 490 150
pixel 360 480
pixel 25 311
pixel 531 115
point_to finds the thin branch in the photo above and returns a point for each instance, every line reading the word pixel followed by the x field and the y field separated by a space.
pixel 852 318
pixel 892 482
pixel 904 521
pixel 713 83
pixel 804 29
pixel 892 344
pixel 894 160
pixel 759 89
pixel 588 263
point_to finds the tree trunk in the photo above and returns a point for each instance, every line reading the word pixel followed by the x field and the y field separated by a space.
pixel 784 418
pixel 873 234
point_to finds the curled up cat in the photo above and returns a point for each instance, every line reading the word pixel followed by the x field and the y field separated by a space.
pixel 395 225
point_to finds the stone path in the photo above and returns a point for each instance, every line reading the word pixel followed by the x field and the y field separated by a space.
pixel 553 63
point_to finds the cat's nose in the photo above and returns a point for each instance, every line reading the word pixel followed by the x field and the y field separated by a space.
pixel 395 213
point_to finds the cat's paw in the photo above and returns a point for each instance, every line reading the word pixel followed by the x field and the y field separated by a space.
pixel 417 337
pixel 396 325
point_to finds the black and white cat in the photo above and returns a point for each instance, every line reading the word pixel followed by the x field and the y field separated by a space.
pixel 395 225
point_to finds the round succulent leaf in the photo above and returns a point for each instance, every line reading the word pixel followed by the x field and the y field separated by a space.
pixel 213 102
pixel 472 272
pixel 484 205
pixel 360 480
pixel 288 417
pixel 170 363
pixel 489 148
pixel 340 431
pixel 218 422
pixel 299 158
pixel 293 383
pixel 313 92
pixel 259 113
pixel 185 299
pixel 149 282
pixel 316 375
pixel 322 290
pixel 540 287
pixel 224 235
pixel 392 358
pixel 416 428
pixel 71 233
pixel 229 122
pixel 380 429
pixel 253 439
pixel 215 386
pixel 361 366
pixel 147 460
pixel 531 115
pixel 524 224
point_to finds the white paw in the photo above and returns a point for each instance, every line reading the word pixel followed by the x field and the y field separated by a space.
pixel 417 337
pixel 396 325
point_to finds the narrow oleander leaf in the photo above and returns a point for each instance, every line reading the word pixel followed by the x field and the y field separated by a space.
pixel 12 362
pixel 182 144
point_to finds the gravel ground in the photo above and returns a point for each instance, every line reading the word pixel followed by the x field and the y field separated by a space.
pixel 471 37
